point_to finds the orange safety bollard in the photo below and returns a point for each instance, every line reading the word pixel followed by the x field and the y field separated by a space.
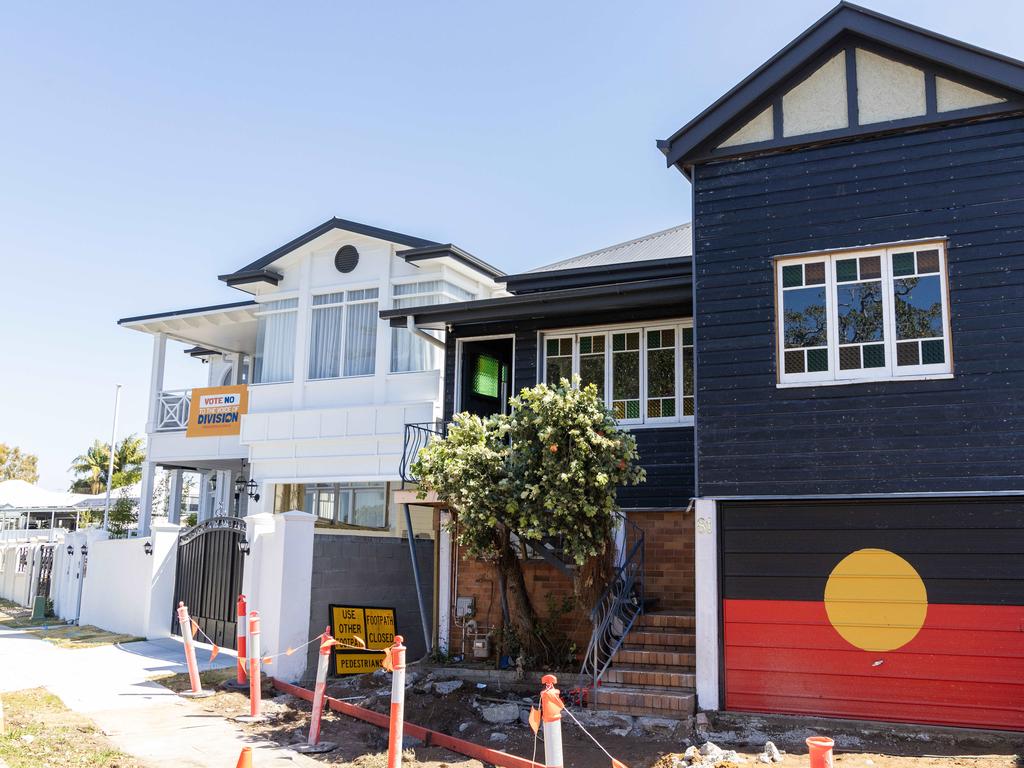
pixel 820 749
pixel 551 707
pixel 245 758
pixel 313 744
pixel 254 715
pixel 397 654
pixel 241 682
pixel 185 622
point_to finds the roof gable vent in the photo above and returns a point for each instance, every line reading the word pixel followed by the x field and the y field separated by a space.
pixel 346 259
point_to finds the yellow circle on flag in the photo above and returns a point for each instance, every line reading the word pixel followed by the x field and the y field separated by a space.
pixel 876 600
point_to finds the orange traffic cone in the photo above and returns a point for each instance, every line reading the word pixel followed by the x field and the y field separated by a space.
pixel 245 759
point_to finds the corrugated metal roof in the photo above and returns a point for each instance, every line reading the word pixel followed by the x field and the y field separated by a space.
pixel 669 243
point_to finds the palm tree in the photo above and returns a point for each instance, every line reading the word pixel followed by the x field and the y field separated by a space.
pixel 90 468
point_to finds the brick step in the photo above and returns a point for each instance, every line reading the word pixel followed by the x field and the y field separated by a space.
pixel 675 703
pixel 666 620
pixel 665 639
pixel 646 657
pixel 646 677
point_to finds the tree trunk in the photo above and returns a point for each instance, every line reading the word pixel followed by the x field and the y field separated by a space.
pixel 522 617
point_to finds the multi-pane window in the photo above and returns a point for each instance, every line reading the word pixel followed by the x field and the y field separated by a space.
pixel 878 313
pixel 644 375
pixel 343 334
pixel 358 504
pixel 275 341
pixel 409 353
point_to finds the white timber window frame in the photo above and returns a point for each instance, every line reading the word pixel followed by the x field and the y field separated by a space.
pixel 342 302
pixel 896 341
pixel 409 354
pixel 570 352
pixel 274 360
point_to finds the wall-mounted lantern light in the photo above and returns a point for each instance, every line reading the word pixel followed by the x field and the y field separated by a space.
pixel 243 547
pixel 71 550
pixel 85 550
pixel 148 548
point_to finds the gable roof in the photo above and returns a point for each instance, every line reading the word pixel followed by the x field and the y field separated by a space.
pixel 845 18
pixel 666 244
pixel 258 271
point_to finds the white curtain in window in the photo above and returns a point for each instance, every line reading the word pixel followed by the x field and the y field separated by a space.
pixel 361 339
pixel 409 353
pixel 325 342
pixel 275 347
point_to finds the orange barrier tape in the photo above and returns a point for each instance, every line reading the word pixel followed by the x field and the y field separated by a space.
pixel 428 737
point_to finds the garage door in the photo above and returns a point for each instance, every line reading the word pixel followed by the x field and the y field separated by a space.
pixel 907 610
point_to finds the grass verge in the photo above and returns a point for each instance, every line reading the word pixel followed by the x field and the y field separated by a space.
pixel 43 733
pixel 14 616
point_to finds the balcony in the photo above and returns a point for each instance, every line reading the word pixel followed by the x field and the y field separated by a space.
pixel 417 436
pixel 172 409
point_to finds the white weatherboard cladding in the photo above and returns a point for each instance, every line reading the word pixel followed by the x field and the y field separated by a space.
pixel 358 443
pixel 887 89
pixel 758 129
pixel 819 102
pixel 950 96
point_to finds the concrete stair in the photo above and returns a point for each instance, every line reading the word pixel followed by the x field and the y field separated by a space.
pixel 653 672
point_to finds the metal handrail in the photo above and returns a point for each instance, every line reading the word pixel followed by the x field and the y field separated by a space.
pixel 619 606
pixel 416 438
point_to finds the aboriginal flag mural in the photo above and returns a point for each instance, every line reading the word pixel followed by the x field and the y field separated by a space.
pixel 909 610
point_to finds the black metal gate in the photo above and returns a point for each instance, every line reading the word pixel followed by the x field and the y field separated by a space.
pixel 209 577
pixel 45 570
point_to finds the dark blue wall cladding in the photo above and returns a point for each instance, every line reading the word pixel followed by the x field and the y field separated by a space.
pixel 964 182
pixel 665 452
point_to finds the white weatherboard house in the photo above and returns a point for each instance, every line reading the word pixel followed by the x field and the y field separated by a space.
pixel 330 385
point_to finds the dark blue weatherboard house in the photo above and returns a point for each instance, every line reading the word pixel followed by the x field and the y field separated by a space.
pixel 858 242
pixel 825 378
pixel 619 317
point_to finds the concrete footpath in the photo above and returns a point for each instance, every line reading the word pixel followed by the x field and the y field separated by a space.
pixel 111 685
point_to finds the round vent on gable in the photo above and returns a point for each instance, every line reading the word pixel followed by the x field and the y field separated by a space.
pixel 346 258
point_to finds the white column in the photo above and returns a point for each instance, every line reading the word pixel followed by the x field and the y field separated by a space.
pixel 707 600
pixel 237 366
pixel 156 379
pixel 444 583
pixel 226 489
pixel 161 586
pixel 302 334
pixel 174 485
pixel 146 497
pixel 204 498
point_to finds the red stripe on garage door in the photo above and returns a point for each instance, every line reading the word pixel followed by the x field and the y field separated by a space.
pixel 965 666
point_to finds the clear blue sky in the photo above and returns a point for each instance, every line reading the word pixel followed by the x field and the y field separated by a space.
pixel 146 148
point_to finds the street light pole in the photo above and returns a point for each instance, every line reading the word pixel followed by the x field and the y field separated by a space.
pixel 110 466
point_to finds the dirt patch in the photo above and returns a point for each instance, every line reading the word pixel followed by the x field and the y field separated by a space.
pixel 43 733
pixel 62 635
pixel 637 742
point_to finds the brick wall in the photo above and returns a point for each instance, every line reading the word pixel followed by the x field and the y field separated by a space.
pixel 668 544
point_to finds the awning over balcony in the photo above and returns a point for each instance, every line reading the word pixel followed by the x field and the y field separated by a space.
pixel 229 328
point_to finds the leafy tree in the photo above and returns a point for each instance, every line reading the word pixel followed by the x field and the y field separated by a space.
pixel 124 514
pixel 91 466
pixel 547 470
pixel 15 464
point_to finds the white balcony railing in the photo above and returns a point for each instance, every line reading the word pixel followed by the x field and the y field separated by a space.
pixel 172 410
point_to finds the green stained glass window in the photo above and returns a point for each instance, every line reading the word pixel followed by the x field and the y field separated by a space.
pixel 688 337
pixel 846 270
pixel 486 376
pixel 874 355
pixel 626 374
pixel 817 360
pixel 933 352
pixel 592 362
pixel 903 263
pixel 792 275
